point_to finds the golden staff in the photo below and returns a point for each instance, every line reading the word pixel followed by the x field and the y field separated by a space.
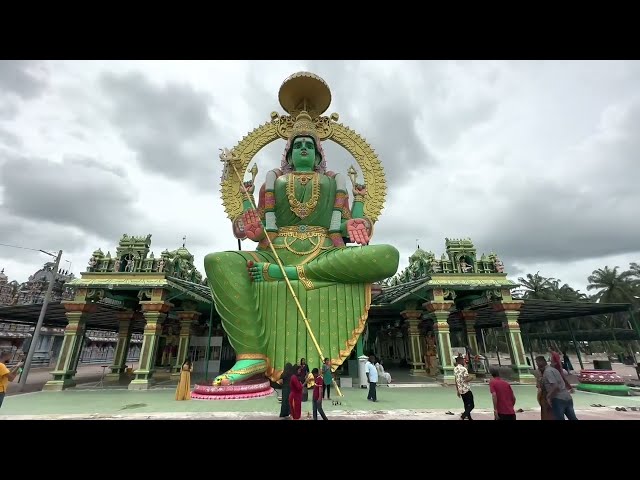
pixel 227 157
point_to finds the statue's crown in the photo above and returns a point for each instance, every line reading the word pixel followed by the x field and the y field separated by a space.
pixel 303 126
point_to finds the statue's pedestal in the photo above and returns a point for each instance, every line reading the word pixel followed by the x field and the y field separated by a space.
pixel 255 387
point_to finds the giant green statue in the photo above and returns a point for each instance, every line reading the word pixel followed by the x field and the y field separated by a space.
pixel 303 210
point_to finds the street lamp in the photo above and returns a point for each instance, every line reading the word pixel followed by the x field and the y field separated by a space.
pixel 43 310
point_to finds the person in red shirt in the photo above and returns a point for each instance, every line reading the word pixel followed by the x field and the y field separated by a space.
pixel 557 364
pixel 503 397
pixel 317 395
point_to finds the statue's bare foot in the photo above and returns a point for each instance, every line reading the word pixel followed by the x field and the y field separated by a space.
pixel 259 271
pixel 242 370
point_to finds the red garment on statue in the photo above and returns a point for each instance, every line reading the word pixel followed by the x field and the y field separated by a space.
pixel 295 397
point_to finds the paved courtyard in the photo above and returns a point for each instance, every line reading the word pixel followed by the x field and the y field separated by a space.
pixel 431 401
pixel 394 403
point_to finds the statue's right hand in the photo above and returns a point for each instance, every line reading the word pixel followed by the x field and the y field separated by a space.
pixel 247 186
pixel 253 225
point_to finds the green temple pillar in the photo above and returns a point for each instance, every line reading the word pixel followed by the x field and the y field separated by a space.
pixel 359 347
pixel 439 312
pixel 155 312
pixel 186 318
pixel 509 310
pixel 77 313
pixel 469 320
pixel 413 318
pixel 125 328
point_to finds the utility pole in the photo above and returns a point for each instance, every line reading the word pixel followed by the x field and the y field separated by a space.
pixel 36 333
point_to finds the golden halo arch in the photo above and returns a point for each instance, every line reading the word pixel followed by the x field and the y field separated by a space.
pixel 327 128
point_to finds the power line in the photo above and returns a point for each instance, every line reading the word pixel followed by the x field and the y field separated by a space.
pixel 15 246
pixel 27 248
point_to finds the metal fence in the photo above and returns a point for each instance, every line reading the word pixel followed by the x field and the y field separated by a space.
pixel 88 356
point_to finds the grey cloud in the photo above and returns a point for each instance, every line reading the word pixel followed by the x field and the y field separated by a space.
pixel 591 213
pixel 9 139
pixel 387 123
pixel 168 127
pixel 69 194
pixel 386 110
pixel 8 108
pixel 36 234
pixel 548 222
pixel 91 163
pixel 446 128
pixel 22 78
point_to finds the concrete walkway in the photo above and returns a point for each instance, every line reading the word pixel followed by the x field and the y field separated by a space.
pixel 39 376
pixel 393 403
pixel 586 414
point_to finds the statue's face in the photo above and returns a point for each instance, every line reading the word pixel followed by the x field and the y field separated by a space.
pixel 303 153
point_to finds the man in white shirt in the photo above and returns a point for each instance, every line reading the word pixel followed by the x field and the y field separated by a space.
pixel 464 389
pixel 372 378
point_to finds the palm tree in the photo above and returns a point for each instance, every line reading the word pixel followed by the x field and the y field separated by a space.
pixel 564 292
pixel 634 274
pixel 536 286
pixel 612 287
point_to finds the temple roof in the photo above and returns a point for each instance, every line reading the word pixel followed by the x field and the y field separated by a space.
pixel 104 318
pixel 547 310
pixel 607 334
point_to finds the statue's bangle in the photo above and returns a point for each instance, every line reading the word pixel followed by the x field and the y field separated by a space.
pixel 265 273
pixel 358 198
pixel 303 278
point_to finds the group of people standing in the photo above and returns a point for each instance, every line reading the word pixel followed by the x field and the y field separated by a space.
pixel 296 383
pixel 554 391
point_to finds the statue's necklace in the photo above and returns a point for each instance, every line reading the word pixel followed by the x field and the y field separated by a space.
pixel 303 209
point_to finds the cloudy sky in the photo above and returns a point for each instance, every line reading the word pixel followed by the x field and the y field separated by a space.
pixel 536 161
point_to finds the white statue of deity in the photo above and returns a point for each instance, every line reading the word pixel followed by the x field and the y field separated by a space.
pixel 464 266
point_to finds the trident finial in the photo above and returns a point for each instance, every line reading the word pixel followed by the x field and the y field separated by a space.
pixel 352 175
pixel 184 241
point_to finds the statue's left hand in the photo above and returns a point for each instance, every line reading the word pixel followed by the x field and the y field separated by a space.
pixel 359 189
pixel 357 230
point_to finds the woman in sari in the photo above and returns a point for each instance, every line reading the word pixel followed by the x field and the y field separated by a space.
pixel 286 389
pixel 303 376
pixel 183 391
pixel 295 397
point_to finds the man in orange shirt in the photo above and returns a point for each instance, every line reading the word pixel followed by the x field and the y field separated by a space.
pixel 6 375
